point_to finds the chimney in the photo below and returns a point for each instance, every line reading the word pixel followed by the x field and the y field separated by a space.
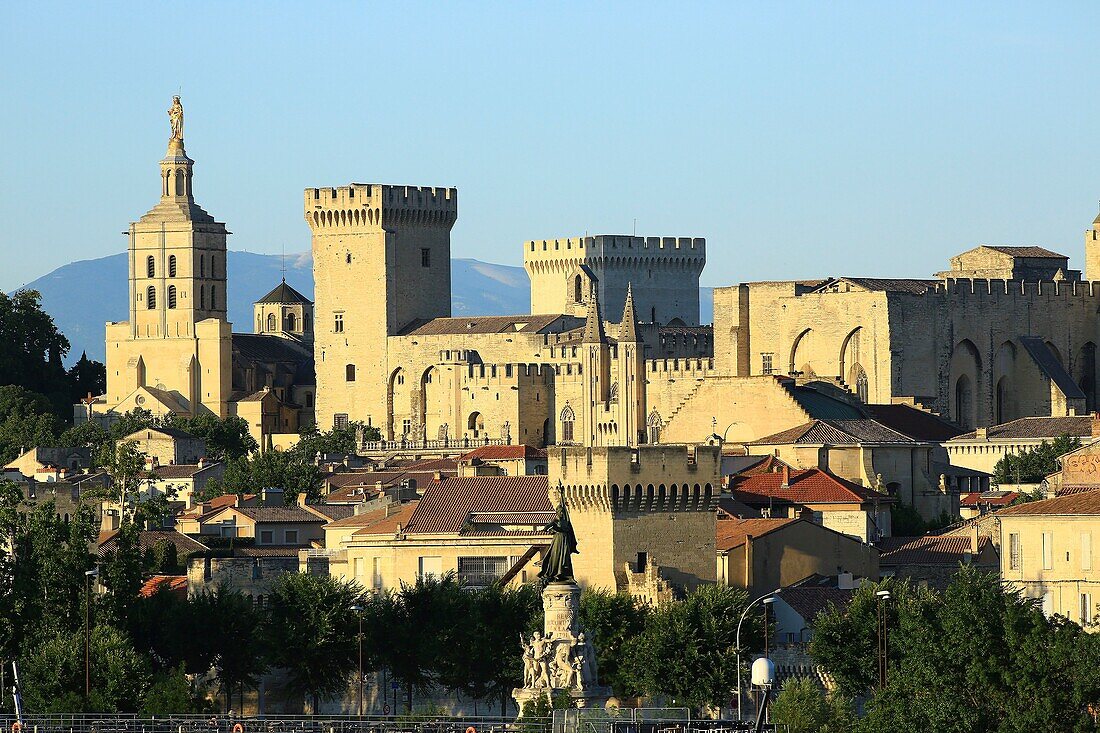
pixel 845 581
pixel 974 538
pixel 980 433
pixel 786 477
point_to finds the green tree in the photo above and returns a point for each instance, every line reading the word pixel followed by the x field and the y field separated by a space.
pixel 171 693
pixel 226 438
pixel 121 574
pixel 804 708
pixel 312 632
pixel 26 420
pixel 612 620
pixel 339 441
pixel 270 469
pixel 31 350
pixel 1032 465
pixel 52 673
pixel 688 651
pixel 480 657
pixel 86 377
pixel 227 636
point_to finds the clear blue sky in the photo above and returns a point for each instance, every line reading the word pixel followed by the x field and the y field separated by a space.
pixel 800 139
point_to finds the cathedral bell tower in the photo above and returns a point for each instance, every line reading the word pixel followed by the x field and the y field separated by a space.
pixel 177 340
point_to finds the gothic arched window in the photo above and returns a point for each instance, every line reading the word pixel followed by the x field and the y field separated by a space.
pixel 291 322
pixel 171 296
pixel 151 298
pixel 568 418
pixel 150 266
pixel 171 265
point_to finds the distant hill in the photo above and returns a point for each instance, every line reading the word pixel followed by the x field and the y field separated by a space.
pixel 83 296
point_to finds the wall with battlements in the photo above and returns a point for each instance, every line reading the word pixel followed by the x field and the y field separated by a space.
pixel 663 273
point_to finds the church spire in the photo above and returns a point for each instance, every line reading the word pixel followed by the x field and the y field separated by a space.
pixel 593 325
pixel 627 327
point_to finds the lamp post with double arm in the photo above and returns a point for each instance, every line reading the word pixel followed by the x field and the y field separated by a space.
pixel 767 598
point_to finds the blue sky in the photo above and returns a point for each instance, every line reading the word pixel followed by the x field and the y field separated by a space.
pixel 800 139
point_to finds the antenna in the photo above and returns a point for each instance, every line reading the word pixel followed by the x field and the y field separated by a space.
pixel 634 233
pixel 282 258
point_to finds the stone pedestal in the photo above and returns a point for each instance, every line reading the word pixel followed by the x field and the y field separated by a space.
pixel 561 659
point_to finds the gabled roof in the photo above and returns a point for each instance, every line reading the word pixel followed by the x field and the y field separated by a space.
pixel 268 348
pixel 446 505
pixel 811 486
pixel 1036 428
pixel 283 293
pixel 731 533
pixel 836 432
pixel 331 512
pixel 912 286
pixel 989 498
pixel 170 432
pixel 505 453
pixel 928 550
pixel 377 522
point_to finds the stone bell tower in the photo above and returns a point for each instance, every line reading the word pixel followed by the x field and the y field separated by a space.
pixel 177 340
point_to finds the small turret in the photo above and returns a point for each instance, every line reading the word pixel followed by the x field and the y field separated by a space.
pixel 285 312
pixel 593 325
pixel 628 331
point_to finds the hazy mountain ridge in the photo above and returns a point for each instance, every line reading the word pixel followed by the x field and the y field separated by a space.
pixel 83 296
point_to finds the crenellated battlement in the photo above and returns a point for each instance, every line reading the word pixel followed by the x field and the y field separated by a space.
pixel 679 366
pixel 607 246
pixel 1025 288
pixel 377 206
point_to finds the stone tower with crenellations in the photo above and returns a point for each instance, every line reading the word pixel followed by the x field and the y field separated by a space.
pixel 663 272
pixel 382 265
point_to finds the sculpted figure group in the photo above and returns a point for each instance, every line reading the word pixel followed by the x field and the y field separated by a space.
pixel 558 663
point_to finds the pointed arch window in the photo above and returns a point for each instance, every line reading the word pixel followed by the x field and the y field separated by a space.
pixel 568 419
pixel 202 297
pixel 171 297
pixel 291 323
pixel 202 265
pixel 151 298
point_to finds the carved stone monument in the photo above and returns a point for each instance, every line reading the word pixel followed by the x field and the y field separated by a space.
pixel 560 659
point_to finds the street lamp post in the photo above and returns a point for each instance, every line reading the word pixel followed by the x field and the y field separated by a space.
pixel 89 576
pixel 883 596
pixel 359 612
pixel 767 598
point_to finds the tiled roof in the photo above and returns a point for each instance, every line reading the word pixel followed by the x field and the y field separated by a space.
pixel 433 464
pixel 332 511
pixel 505 453
pixel 730 533
pixel 836 432
pixel 1085 502
pixel 267 348
pixel 989 498
pixel 807 602
pixel 1028 251
pixel 263 514
pixel 147 539
pixel 912 421
pixel 169 583
pixel 446 505
pixel 283 293
pixel 491 324
pixel 929 550
pixel 377 522
pixel 1036 428
pixel 179 470
pixel 811 486
pixel 741 464
pixel 887 284
pixel 1076 489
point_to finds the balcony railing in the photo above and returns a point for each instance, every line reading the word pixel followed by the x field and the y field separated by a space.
pixel 377 446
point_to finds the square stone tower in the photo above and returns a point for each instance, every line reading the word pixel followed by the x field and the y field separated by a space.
pixel 177 341
pixel 663 272
pixel 381 264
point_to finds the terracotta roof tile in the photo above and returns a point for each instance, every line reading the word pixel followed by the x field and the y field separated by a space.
pixel 811 486
pixel 1025 251
pixel 447 505
pixel 929 550
pixel 808 602
pixel 1085 502
pixel 912 421
pixel 505 453
pixel 731 533
pixel 377 522
pixel 492 324
pixel 989 498
pixel 836 432
pixel 169 583
pixel 262 514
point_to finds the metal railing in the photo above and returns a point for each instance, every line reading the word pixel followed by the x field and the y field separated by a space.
pixel 376 446
pixel 645 720
pixel 414 723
